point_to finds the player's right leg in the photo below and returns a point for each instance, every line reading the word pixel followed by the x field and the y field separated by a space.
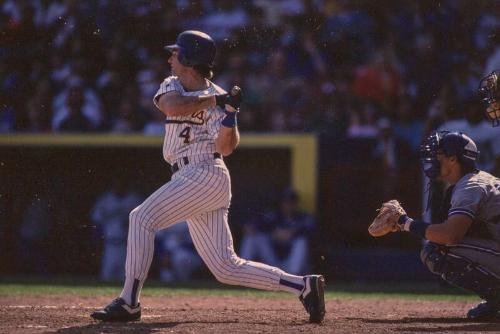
pixel 474 264
pixel 213 241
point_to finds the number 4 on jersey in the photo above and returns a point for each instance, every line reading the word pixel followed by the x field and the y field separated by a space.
pixel 185 134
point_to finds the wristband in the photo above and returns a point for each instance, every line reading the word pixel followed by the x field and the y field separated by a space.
pixel 230 120
pixel 418 228
pixel 404 222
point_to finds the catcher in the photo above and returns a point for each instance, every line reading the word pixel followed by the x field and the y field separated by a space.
pixel 464 247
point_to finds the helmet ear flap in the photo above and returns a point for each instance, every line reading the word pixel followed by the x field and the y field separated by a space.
pixel 181 57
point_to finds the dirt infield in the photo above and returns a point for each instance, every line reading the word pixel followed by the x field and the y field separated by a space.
pixel 67 314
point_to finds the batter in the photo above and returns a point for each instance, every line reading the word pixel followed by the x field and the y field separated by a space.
pixel 201 128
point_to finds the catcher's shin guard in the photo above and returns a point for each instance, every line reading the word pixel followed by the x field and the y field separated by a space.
pixel 460 271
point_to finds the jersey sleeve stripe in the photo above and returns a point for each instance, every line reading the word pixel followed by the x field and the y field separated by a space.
pixel 176 121
pixel 460 211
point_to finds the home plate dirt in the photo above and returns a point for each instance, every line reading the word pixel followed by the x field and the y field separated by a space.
pixel 215 314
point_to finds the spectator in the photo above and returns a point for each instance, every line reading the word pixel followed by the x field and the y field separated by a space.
pixel 257 244
pixel 291 234
pixel 38 117
pixel 110 213
pixel 178 257
pixel 362 122
pixel 408 127
pixel 75 120
pixel 61 70
pixel 266 47
pixel 88 103
pixel 34 232
pixel 390 153
pixel 282 236
pixel 228 16
pixel 378 81
pixel 39 108
pixel 127 119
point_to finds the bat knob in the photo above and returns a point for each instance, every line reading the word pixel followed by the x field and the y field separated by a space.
pixel 235 90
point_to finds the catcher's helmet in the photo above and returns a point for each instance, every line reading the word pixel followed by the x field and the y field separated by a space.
pixel 489 93
pixel 450 144
pixel 195 48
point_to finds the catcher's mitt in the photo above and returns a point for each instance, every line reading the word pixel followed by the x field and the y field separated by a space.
pixel 387 219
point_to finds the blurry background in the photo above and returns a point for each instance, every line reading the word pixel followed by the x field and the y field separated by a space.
pixel 367 80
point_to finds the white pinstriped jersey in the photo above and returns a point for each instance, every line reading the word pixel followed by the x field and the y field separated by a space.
pixel 192 135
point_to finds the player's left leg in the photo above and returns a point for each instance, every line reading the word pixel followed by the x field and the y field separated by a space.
pixel 213 241
pixel 474 264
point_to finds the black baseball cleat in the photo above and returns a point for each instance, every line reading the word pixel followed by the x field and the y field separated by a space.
pixel 313 297
pixel 484 311
pixel 118 310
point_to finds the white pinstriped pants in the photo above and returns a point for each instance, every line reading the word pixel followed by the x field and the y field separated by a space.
pixel 199 193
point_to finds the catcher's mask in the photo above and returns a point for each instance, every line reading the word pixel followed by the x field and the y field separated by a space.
pixel 450 144
pixel 490 96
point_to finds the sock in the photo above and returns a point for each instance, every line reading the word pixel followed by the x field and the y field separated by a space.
pixel 292 283
pixel 131 291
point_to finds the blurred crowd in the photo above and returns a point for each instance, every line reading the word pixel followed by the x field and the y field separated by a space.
pixel 346 69
pixel 381 74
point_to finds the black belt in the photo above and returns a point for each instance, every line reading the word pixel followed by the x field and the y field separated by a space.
pixel 185 161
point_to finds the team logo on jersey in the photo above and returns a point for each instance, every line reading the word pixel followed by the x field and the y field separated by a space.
pixel 197 118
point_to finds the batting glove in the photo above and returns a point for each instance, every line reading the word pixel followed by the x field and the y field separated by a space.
pixel 233 99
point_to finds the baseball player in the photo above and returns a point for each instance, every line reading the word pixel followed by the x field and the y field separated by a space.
pixel 200 129
pixel 463 247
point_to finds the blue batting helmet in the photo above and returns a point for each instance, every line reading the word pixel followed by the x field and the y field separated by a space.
pixel 450 144
pixel 195 48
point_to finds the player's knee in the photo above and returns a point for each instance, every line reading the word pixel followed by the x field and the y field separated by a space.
pixel 433 257
pixel 133 216
pixel 224 278
pixel 137 217
pixel 224 273
pixel 227 269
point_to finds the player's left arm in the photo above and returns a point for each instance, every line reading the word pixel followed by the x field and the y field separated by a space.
pixel 452 231
pixel 464 206
pixel 227 140
pixel 392 217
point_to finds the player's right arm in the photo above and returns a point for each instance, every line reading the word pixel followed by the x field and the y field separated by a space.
pixel 175 104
